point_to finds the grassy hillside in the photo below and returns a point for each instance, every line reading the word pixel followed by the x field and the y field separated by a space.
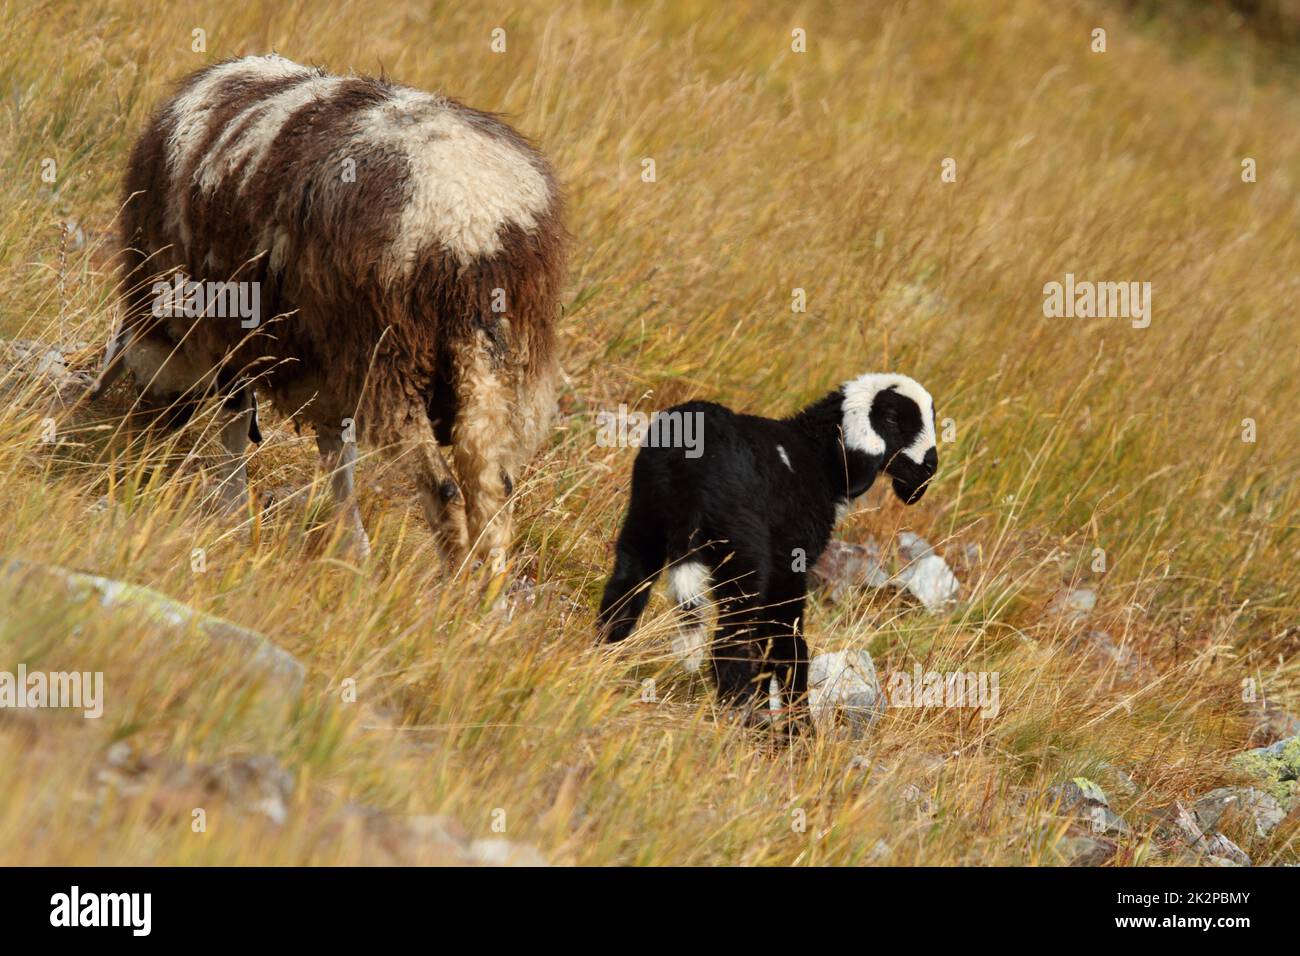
pixel 775 171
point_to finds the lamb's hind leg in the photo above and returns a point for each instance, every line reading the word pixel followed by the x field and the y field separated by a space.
pixel 338 452
pixel 688 585
pixel 739 647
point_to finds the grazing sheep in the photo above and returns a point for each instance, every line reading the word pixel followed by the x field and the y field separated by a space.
pixel 748 517
pixel 405 254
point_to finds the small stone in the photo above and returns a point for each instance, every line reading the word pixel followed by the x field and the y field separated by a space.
pixel 844 683
pixel 256 783
pixel 1079 790
pixel 844 566
pixel 915 799
pixel 438 828
pixel 120 755
pixel 1087 851
pixel 1177 825
pixel 501 852
pixel 927 576
pixel 1219 847
pixel 1077 604
pixel 913 547
pixel 879 853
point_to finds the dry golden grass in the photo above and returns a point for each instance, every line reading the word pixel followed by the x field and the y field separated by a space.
pixel 775 170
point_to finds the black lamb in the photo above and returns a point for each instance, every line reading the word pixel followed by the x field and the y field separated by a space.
pixel 748 510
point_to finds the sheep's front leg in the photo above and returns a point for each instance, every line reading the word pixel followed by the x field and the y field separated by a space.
pixel 239 426
pixel 339 458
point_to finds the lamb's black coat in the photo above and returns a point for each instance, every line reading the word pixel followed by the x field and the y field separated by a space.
pixel 757 508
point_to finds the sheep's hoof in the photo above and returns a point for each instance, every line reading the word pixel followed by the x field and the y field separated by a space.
pixel 356 545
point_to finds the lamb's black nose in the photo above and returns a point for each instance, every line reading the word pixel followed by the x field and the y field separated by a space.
pixel 931 460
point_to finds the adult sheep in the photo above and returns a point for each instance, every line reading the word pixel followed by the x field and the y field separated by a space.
pixel 406 253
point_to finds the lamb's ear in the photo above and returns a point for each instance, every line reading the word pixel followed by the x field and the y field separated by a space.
pixel 861 470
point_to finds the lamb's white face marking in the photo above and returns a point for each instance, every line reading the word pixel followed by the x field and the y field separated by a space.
pixel 785 459
pixel 688 587
pixel 860 393
pixel 467 184
pixel 254 142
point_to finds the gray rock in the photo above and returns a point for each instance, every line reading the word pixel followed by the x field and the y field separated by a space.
pixel 1080 790
pixel 1275 767
pixel 1262 808
pixel 438 828
pixel 916 801
pixel 1121 778
pixel 1218 847
pixel 1085 800
pixel 1177 825
pixel 1106 820
pixel 1087 850
pixel 927 576
pixel 843 567
pixel 158 610
pixel 913 547
pixel 844 684
pixel 257 783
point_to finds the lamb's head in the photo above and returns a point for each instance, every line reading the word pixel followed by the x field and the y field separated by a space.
pixel 889 419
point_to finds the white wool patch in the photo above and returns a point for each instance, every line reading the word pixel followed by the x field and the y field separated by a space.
pixel 780 450
pixel 466 184
pixel 688 586
pixel 860 394
pixel 689 582
pixel 252 143
pixel 189 111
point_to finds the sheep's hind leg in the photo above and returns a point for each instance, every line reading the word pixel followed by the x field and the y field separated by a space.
pixel 484 449
pixel 339 458
pixel 440 495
